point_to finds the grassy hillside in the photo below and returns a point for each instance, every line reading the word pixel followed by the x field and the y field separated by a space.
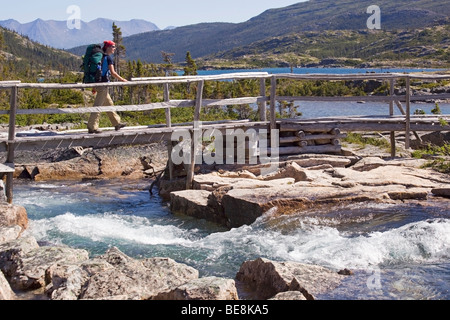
pixel 427 47
pixel 21 58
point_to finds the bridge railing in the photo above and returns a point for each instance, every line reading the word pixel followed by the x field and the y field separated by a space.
pixel 263 100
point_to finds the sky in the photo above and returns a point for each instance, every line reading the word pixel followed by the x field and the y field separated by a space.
pixel 163 13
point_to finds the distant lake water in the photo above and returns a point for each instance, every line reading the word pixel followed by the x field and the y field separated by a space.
pixel 317 70
pixel 314 109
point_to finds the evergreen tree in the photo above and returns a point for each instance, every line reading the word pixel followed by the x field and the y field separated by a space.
pixel 120 48
pixel 168 64
pixel 1 40
pixel 191 66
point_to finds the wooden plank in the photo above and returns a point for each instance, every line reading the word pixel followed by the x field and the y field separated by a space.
pixel 408 114
pixel 340 77
pixel 328 148
pixel 167 110
pixel 340 98
pixel 141 107
pixel 11 143
pixel 273 101
pixel 262 103
pixel 312 138
pixel 197 111
pixel 391 113
pixel 237 75
pixel 7 168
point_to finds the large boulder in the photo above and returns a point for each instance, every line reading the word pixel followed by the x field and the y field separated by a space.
pixel 6 292
pixel 13 215
pixel 65 281
pixel 194 203
pixel 441 192
pixel 11 251
pixel 269 278
pixel 9 233
pixel 137 279
pixel 28 270
pixel 209 288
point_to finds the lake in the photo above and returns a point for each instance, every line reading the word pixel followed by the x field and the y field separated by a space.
pixel 317 70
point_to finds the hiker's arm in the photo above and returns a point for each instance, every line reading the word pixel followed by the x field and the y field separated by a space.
pixel 115 74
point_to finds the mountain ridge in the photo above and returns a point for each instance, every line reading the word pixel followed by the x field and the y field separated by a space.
pixel 313 15
pixel 56 33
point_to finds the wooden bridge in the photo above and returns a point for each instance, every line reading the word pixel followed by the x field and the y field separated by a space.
pixel 296 134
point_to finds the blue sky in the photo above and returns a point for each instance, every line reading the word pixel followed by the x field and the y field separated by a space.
pixel 163 13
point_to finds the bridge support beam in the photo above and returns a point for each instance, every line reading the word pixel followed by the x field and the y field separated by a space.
pixel 11 144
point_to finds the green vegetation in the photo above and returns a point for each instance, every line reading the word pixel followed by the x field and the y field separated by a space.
pixel 359 139
pixel 440 155
pixel 21 58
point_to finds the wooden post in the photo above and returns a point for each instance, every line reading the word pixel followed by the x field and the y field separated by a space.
pixel 273 101
pixel 167 99
pixel 391 113
pixel 11 144
pixel 262 104
pixel 196 128
pixel 408 113
pixel 169 125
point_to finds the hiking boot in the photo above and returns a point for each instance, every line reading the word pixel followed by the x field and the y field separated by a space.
pixel 94 131
pixel 120 126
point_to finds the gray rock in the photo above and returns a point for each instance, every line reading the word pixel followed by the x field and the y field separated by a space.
pixel 209 288
pixel 65 282
pixel 27 271
pixel 194 203
pixel 6 292
pixel 289 296
pixel 142 278
pixel 268 278
pixel 9 233
pixel 13 215
pixel 10 253
pixel 441 192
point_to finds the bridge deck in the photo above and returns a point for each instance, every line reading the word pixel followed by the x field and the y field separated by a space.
pixel 36 140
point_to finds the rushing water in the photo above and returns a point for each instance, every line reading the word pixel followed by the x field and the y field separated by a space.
pixel 396 252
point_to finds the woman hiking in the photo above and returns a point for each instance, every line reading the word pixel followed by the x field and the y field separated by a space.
pixel 103 98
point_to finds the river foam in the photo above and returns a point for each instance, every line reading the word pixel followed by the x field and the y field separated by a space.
pixel 407 246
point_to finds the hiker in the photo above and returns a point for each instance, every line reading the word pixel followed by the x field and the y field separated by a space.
pixel 103 98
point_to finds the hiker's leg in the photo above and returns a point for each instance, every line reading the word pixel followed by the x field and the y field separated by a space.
pixel 113 116
pixel 94 119
pixel 93 122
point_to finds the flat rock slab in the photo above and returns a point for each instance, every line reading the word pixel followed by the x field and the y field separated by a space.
pixel 441 192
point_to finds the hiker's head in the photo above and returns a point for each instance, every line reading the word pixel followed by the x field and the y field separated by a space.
pixel 109 45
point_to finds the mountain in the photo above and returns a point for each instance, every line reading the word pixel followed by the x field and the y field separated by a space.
pixel 57 34
pixel 314 15
pixel 21 56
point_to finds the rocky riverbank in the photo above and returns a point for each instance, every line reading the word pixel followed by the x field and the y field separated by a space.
pixel 33 271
